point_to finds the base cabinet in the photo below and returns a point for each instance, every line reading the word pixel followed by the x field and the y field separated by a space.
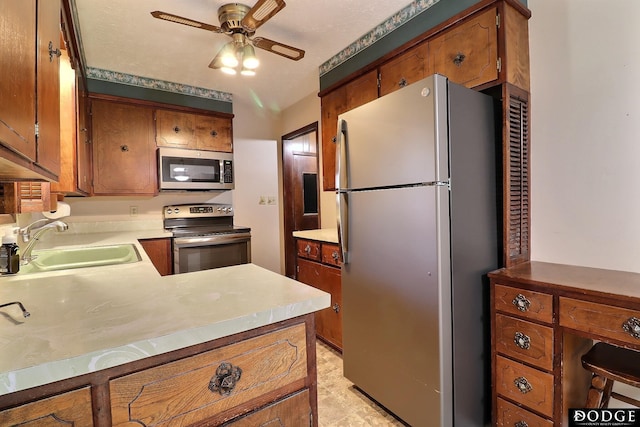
pixel 160 253
pixel 260 377
pixel 318 265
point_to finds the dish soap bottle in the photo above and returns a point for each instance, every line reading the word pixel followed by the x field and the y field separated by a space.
pixel 9 256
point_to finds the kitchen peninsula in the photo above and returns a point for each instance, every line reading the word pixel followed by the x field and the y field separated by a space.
pixel 115 344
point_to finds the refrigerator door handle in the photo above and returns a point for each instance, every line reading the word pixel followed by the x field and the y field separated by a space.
pixel 342 204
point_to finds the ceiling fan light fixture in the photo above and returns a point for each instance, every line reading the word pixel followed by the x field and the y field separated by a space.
pixel 249 59
pixel 228 55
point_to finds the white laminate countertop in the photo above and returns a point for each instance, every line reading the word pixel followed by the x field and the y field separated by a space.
pixel 85 320
pixel 329 235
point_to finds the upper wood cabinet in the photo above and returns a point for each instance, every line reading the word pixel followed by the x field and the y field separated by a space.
pixel 196 131
pixel 406 68
pixel 468 53
pixel 352 95
pixel 29 89
pixel 124 157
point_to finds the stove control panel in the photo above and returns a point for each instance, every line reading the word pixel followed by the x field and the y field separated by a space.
pixel 197 211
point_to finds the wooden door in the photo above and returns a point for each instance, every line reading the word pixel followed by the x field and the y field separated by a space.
pixel 175 129
pixel 124 158
pixel 18 82
pixel 300 175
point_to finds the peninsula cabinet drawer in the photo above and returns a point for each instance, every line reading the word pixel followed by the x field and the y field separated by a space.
pixel 331 254
pixel 601 319
pixel 525 385
pixel 72 408
pixel 294 411
pixel 524 303
pixel 529 342
pixel 309 249
pixel 202 386
pixel 509 415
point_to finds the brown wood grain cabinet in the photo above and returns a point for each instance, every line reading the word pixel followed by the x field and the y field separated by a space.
pixel 160 252
pixel 318 264
pixel 195 131
pixel 261 376
pixel 408 67
pixel 26 197
pixel 29 89
pixel 544 317
pixel 124 157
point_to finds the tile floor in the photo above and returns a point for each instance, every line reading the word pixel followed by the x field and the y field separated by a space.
pixel 340 404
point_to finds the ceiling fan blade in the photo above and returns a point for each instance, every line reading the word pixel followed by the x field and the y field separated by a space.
pixel 278 48
pixel 260 13
pixel 185 21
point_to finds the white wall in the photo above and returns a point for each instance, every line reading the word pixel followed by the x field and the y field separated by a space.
pixel 585 132
pixel 256 177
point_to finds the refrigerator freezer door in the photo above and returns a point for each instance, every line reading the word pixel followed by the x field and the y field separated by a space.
pixel 396 296
pixel 398 139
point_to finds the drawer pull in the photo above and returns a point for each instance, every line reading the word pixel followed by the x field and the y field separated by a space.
pixel 307 249
pixel 336 308
pixel 225 379
pixel 521 302
pixel 458 59
pixel 521 340
pixel 523 385
pixel 632 327
pixel 521 424
pixel 335 255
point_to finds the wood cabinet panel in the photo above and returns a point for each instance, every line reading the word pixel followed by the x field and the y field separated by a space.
pixel 468 53
pixel 195 131
pixel 510 415
pixel 160 253
pixel 72 408
pixel 124 157
pixel 293 411
pixel 202 386
pixel 407 68
pixel 331 254
pixel 526 341
pixel 26 197
pixel 309 249
pixel 213 133
pixel 524 303
pixel 525 385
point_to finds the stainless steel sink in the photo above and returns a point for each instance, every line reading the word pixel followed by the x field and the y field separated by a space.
pixel 91 256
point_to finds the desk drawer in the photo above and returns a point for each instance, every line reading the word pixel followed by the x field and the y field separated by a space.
pixel 192 389
pixel 509 415
pixel 308 249
pixel 524 303
pixel 522 384
pixel 331 254
pixel 601 319
pixel 525 341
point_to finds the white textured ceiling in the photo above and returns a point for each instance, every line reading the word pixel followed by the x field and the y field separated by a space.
pixel 122 36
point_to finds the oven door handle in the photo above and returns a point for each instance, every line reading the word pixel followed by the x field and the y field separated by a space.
pixel 211 240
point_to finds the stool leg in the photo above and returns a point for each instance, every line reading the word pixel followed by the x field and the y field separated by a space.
pixel 599 392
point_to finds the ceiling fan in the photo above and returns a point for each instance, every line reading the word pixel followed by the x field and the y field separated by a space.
pixel 240 22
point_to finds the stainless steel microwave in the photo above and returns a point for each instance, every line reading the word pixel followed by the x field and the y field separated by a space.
pixel 181 169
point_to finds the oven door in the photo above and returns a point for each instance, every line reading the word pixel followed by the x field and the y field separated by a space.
pixel 212 251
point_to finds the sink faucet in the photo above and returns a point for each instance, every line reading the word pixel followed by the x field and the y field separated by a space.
pixel 37 232
pixel 25 313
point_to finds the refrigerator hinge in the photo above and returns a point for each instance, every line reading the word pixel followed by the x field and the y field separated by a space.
pixel 446 183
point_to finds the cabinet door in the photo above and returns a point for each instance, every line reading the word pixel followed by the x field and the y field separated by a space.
pixel 468 53
pixel 18 82
pixel 83 138
pixel 48 78
pixel 405 69
pixel 213 133
pixel 72 408
pixel 124 158
pixel 175 129
pixel 159 251
pixel 329 320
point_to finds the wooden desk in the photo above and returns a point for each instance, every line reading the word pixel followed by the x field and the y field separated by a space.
pixel 544 317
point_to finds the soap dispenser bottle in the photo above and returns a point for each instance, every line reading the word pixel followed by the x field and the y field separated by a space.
pixel 9 256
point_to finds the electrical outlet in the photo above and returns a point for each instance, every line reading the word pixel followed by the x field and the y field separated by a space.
pixel 133 210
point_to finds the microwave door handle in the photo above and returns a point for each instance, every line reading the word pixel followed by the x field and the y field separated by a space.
pixel 342 182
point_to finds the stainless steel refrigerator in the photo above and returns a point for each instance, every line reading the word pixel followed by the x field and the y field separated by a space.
pixel 416 192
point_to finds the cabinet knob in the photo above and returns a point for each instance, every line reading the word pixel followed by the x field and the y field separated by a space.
pixel 334 139
pixel 225 379
pixel 336 307
pixel 53 52
pixel 523 385
pixel 335 255
pixel 521 340
pixel 402 82
pixel 124 148
pixel 307 249
pixel 176 129
pixel 459 58
pixel 213 133
pixel 521 302
pixel 632 327
pixel 521 424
